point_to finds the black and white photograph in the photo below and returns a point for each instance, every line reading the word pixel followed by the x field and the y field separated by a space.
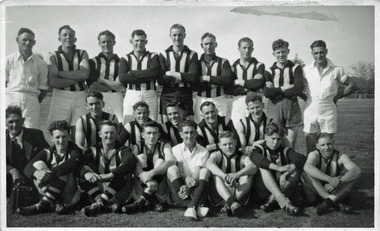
pixel 188 114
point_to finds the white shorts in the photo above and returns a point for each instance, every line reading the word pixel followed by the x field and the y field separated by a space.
pixel 67 105
pixel 133 96
pixel 321 118
pixel 238 108
pixel 113 104
pixel 29 105
pixel 221 103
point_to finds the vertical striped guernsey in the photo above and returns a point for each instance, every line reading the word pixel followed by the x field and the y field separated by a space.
pixel 212 69
pixel 65 64
pixel 172 132
pixel 246 73
pixel 179 64
pixel 231 164
pixel 144 63
pixel 285 76
pixel 277 157
pixel 251 131
pixel 210 136
pixel 107 68
pixel 331 167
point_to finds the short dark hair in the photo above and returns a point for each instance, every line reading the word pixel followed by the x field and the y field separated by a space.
pixel 61 125
pixel 227 134
pixel 280 43
pixel 275 128
pixel 107 123
pixel 25 30
pixel 207 103
pixel 207 34
pixel 95 94
pixel 318 43
pixel 13 109
pixel 65 27
pixel 152 124
pixel 107 33
pixel 245 39
pixel 252 97
pixel 187 123
pixel 138 32
pixel 140 104
pixel 177 26
pixel 323 135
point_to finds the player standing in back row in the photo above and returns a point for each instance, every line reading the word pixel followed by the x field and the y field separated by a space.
pixel 180 66
pixel 138 72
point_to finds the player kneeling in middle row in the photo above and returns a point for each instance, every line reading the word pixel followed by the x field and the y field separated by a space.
pixel 107 172
pixel 153 161
pixel 233 174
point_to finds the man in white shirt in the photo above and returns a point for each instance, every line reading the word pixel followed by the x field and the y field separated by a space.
pixel 189 177
pixel 323 79
pixel 26 79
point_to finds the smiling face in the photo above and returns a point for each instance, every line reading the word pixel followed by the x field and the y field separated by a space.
pixel 209 44
pixel 107 134
pixel 60 139
pixel 245 50
pixel 14 124
pixel 106 43
pixel 255 109
pixel 189 135
pixel 209 114
pixel 281 55
pixel 177 36
pixel 227 145
pixel 174 115
pixel 67 38
pixel 95 106
pixel 25 42
pixel 141 114
pixel 319 54
pixel 139 42
pixel 326 146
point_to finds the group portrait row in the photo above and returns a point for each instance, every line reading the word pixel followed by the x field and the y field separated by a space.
pixel 214 146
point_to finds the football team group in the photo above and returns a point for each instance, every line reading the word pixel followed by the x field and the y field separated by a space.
pixel 215 145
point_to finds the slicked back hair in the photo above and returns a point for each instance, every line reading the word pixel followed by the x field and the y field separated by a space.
pixel 205 104
pixel 280 43
pixel 140 104
pixel 318 43
pixel 107 33
pixel 177 26
pixel 187 123
pixel 245 39
pixel 95 94
pixel 138 32
pixel 275 128
pixel 151 124
pixel 65 27
pixel 108 123
pixel 207 34
pixel 25 30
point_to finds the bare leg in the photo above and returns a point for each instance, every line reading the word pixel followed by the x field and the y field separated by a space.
pixel 292 135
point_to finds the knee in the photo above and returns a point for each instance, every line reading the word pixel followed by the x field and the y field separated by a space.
pixel 173 172
pixel 40 165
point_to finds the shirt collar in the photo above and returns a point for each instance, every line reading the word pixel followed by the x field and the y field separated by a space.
pixel 19 137
pixel 185 148
pixel 114 56
pixel 185 49
pixel 19 56
pixel 252 60
pixel 145 53
pixel 214 57
pixel 288 64
pixel 329 63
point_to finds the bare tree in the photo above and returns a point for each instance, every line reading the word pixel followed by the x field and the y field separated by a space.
pixel 365 71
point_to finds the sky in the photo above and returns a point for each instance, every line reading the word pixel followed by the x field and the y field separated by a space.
pixel 347 30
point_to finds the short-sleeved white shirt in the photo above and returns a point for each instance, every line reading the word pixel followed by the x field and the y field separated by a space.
pixel 323 88
pixel 28 76
pixel 188 161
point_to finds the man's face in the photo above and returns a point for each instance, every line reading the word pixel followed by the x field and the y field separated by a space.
pixel 281 54
pixel 227 145
pixel 67 38
pixel 189 135
pixel 151 135
pixel 319 54
pixel 60 139
pixel 178 36
pixel 94 105
pixel 255 109
pixel 138 42
pixel 107 43
pixel 245 50
pixel 273 141
pixel 209 114
pixel 25 42
pixel 209 44
pixel 14 124
pixel 141 114
pixel 108 134
pixel 325 146
pixel 174 115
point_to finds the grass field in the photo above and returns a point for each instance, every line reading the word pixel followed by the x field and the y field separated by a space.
pixel 355 137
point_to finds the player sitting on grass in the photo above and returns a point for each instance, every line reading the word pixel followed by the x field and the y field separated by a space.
pixel 189 178
pixel 330 175
pixel 52 169
pixel 211 125
pixel 87 126
pixel 252 128
pixel 153 161
pixel 280 168
pixel 107 171
pixel 175 117
pixel 233 174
